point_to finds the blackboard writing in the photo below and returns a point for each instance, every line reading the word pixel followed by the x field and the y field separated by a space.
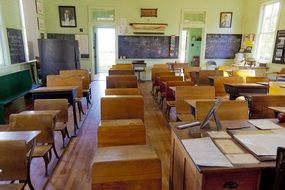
pixel 222 46
pixel 279 48
pixel 148 47
pixel 16 45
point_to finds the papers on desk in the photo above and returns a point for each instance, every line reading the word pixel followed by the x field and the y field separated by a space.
pixel 242 159
pixel 262 144
pixel 227 146
pixel 264 124
pixel 219 134
pixel 205 153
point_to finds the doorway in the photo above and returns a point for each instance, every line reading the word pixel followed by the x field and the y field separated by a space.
pixel 105 49
pixel 191 46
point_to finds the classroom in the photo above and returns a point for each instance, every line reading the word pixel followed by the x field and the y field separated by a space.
pixel 142 95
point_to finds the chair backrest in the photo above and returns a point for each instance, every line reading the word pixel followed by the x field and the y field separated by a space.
pixel 191 92
pixel 187 70
pixel 156 81
pixel 121 81
pixel 13 162
pixel 202 77
pixel 54 104
pixel 228 110
pixel 220 81
pixel 160 66
pixel 279 181
pixel 260 103
pixel 158 70
pixel 122 107
pixel 34 122
pixel 164 79
pixel 60 80
pixel 123 66
pixel 122 91
pixel 169 94
pixel 79 72
pixel 121 71
pixel 256 79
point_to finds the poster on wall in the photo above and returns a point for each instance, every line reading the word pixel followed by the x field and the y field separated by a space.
pixel 279 48
pixel 247 43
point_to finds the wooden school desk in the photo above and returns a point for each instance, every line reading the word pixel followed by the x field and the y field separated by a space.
pixel 235 89
pixel 66 92
pixel 186 175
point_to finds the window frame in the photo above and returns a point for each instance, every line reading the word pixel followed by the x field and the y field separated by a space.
pixel 259 31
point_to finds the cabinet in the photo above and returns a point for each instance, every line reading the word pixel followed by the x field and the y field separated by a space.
pixel 56 55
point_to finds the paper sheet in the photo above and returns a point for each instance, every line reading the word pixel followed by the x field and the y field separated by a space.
pixel 262 144
pixel 227 146
pixel 205 153
pixel 264 124
pixel 219 134
pixel 242 159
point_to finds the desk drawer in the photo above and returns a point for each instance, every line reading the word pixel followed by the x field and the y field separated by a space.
pixel 244 180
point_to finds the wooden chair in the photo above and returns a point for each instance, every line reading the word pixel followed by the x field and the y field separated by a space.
pixel 61 118
pixel 156 80
pixel 121 72
pixel 60 80
pixel 123 66
pixel 162 83
pixel 201 77
pixel 169 96
pixel 219 84
pixel 14 166
pixel 37 122
pixel 86 89
pixel 122 91
pixel 279 182
pixel 122 107
pixel 190 92
pixel 228 110
pixel 256 79
pixel 126 167
pixel 259 105
pixel 121 81
pixel 188 70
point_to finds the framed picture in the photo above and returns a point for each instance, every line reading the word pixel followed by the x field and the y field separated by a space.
pixel 226 19
pixel 41 24
pixel 67 16
pixel 148 12
pixel 40 7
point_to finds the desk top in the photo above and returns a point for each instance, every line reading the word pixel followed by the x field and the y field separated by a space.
pixel 246 85
pixel 54 89
pixel 27 136
pixel 278 109
pixel 233 124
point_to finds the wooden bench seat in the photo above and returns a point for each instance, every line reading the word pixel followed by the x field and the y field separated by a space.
pixel 14 86
pixel 121 72
pixel 121 132
pixel 121 81
pixel 122 91
pixel 126 167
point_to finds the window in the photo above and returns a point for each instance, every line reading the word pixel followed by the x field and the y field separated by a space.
pixel 267 29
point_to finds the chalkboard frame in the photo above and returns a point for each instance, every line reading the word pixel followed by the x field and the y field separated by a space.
pixel 228 48
pixel 148 47
pixel 16 45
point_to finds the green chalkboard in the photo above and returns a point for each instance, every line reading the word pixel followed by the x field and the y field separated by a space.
pixel 222 46
pixel 148 47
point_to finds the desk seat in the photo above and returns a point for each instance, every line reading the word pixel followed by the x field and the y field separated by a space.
pixel 121 132
pixel 126 167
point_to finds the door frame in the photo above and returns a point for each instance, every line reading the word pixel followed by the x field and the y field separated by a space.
pixel 93 30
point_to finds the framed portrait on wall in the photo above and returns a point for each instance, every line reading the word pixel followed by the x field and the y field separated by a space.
pixel 226 19
pixel 67 16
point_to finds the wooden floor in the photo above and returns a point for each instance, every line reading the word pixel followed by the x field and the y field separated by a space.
pixel 73 169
